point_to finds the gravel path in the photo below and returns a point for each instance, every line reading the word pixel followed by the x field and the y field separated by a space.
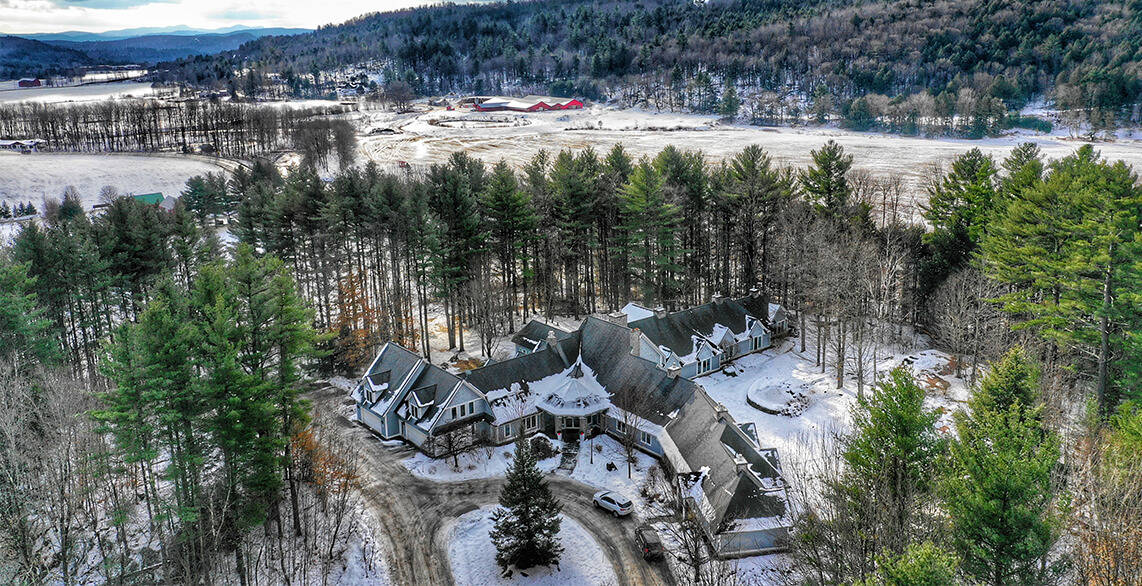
pixel 413 510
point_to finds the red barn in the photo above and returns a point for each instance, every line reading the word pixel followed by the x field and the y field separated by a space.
pixel 29 82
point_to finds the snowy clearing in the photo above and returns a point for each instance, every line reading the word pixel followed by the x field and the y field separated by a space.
pixel 34 177
pixel 591 468
pixel 480 463
pixel 423 138
pixel 827 408
pixel 38 175
pixel 79 93
pixel 473 555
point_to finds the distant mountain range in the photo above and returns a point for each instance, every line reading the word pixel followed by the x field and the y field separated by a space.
pixel 180 30
pixel 44 54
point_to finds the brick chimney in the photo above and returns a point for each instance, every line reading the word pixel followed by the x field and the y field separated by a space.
pixel 659 312
pixel 618 318
pixel 635 341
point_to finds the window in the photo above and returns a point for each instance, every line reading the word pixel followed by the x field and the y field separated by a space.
pixel 704 366
pixel 453 413
pixel 644 437
pixel 532 421
pixel 508 430
pixel 757 343
pixel 622 427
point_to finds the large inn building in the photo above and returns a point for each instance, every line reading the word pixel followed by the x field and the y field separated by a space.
pixel 611 376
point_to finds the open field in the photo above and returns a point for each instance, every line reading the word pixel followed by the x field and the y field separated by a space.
pixel 78 93
pixel 425 138
pixel 31 178
pixel 38 175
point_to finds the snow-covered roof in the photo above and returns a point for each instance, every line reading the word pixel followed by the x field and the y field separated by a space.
pixel 636 312
pixel 575 393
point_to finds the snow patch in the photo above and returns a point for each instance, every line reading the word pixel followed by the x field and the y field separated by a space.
pixel 472 555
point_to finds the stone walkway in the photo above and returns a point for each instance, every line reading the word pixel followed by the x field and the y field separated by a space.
pixel 570 458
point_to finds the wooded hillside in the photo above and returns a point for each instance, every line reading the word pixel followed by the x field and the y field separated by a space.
pixel 828 51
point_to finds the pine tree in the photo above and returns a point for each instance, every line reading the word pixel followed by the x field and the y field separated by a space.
pixel 1069 247
pixel 960 206
pixel 649 223
pixel 997 487
pixel 1014 380
pixel 510 221
pixel 892 452
pixel 922 564
pixel 826 181
pixel 730 103
pixel 25 334
pixel 526 531
pixel 5 211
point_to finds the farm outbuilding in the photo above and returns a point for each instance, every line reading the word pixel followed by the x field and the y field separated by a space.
pixel 526 104
pixel 29 82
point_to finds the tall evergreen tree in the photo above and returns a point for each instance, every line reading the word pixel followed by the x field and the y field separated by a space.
pixel 960 206
pixel 997 486
pixel 1069 248
pixel 825 182
pixel 25 334
pixel 526 531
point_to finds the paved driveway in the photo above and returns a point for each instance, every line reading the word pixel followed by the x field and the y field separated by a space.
pixel 412 511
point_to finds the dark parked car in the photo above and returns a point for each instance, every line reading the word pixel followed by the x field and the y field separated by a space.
pixel 649 542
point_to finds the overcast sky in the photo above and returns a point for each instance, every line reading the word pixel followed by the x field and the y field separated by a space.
pixel 49 16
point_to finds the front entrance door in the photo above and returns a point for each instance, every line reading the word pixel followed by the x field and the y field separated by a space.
pixel 571 428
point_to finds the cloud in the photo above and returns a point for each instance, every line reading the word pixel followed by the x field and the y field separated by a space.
pixel 48 16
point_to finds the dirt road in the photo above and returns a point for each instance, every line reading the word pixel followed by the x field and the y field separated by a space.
pixel 412 511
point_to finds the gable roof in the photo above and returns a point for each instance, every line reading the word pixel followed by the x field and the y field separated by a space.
pixel 676 331
pixel 390 369
pixel 634 382
pixel 715 444
pixel 431 389
pixel 534 332
pixel 527 368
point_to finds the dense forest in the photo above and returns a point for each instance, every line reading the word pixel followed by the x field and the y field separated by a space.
pixel 138 342
pixel 921 58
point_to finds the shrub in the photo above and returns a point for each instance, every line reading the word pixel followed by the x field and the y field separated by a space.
pixel 542 448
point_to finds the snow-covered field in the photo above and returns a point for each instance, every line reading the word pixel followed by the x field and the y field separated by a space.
pixel 473 555
pixel 79 93
pixel 426 138
pixel 481 463
pixel 34 177
pixel 38 175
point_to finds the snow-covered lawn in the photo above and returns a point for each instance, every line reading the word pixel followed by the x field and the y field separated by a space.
pixel 826 407
pixel 472 465
pixel 604 449
pixel 473 555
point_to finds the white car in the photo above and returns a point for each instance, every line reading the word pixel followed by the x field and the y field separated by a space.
pixel 617 504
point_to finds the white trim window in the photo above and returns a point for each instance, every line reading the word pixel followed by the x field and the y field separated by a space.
pixel 705 365
pixel 757 343
pixel 531 421
pixel 507 430
pixel 644 438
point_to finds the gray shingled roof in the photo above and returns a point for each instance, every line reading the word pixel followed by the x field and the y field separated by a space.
pixel 702 438
pixel 534 332
pixel 675 330
pixel 433 384
pixel 756 306
pixel 606 349
pixel 526 368
pixel 397 362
